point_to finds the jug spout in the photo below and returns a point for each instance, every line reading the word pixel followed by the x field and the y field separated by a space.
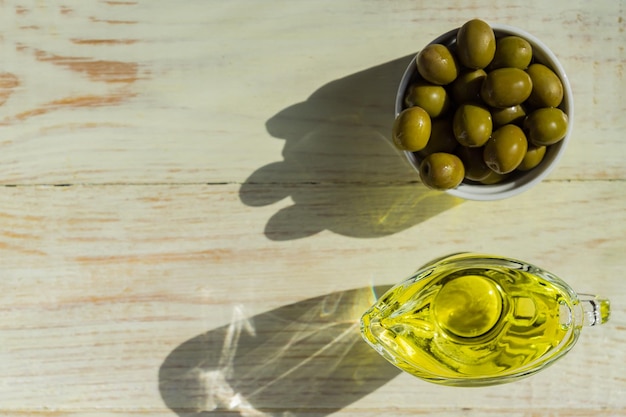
pixel 595 310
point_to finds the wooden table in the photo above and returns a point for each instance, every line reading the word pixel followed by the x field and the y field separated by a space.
pixel 198 198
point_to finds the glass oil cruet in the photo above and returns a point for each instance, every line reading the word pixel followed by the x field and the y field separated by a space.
pixel 472 320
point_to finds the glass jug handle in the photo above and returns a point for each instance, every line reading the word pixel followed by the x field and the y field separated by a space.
pixel 596 310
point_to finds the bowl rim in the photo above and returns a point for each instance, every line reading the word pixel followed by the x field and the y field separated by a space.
pixel 529 179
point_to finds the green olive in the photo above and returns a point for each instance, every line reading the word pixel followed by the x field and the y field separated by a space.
pixel 546 126
pixel 475 167
pixel 411 129
pixel 466 87
pixel 476 44
pixel 504 116
pixel 493 178
pixel 472 125
pixel 441 138
pixel 442 171
pixel 534 155
pixel 512 52
pixel 506 149
pixel 437 64
pixel 547 88
pixel 432 98
pixel 506 87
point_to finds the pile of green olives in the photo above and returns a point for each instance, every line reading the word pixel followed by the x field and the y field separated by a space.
pixel 480 109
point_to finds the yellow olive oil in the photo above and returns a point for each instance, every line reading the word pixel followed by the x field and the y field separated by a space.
pixel 474 320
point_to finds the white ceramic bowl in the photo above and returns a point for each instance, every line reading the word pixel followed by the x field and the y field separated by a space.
pixel 519 182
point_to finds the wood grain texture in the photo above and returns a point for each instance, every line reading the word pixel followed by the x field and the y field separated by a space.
pixel 199 199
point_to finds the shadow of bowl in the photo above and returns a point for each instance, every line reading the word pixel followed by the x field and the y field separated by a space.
pixel 340 168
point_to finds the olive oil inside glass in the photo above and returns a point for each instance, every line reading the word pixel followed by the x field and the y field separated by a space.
pixel 474 324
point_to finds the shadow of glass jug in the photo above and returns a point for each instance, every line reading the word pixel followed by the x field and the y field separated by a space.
pixel 306 358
